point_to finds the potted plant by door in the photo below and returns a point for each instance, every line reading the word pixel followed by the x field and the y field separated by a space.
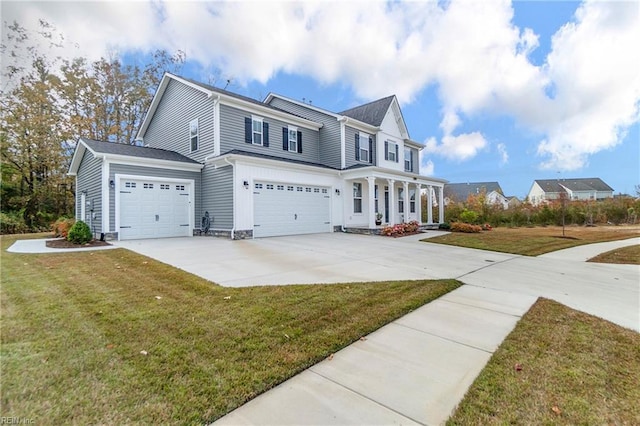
pixel 378 218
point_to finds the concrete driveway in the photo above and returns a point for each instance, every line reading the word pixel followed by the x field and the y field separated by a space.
pixel 608 291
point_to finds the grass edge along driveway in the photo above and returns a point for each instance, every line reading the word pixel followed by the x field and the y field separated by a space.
pixel 115 337
pixel 558 366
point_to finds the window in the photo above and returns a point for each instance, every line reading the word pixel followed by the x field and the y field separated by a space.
pixel 391 153
pixel 400 200
pixel 179 187
pixel 357 197
pixel 130 185
pixel 280 187
pixel 256 125
pixel 193 134
pixel 293 139
pixel 289 188
pixel 412 201
pixel 163 186
pixel 408 160
pixel 269 186
pixel 316 190
pixel 258 186
pixel 148 186
pixel 363 147
pixel 324 190
pixel 298 188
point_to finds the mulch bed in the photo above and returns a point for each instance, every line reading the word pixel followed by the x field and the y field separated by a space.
pixel 62 244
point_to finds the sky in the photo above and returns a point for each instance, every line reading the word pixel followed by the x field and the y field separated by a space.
pixel 495 90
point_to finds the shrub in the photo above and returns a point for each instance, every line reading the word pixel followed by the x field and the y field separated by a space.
pixel 465 227
pixel 80 233
pixel 468 216
pixel 12 223
pixel 444 226
pixel 61 227
pixel 401 229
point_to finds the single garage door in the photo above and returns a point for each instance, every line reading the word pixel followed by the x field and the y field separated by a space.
pixel 290 209
pixel 154 209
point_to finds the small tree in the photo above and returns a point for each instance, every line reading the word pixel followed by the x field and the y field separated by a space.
pixel 79 233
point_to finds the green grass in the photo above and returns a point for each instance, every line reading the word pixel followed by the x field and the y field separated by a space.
pixel 74 325
pixel 626 255
pixel 575 369
pixel 536 241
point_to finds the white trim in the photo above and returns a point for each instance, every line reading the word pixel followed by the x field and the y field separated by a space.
pixel 289 130
pixel 272 95
pixel 105 196
pixel 197 135
pixel 83 206
pixel 152 162
pixel 266 162
pixel 216 127
pixel 343 145
pixel 366 137
pixel 261 121
pixel 187 182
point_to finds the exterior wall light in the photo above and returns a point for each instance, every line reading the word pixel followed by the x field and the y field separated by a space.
pixel 246 184
pixel 112 184
pixel 337 191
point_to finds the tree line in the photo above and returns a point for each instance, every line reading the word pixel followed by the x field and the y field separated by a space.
pixel 47 103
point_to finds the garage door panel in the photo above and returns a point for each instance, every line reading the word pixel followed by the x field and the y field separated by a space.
pixel 153 209
pixel 290 209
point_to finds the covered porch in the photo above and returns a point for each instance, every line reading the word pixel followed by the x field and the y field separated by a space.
pixel 374 199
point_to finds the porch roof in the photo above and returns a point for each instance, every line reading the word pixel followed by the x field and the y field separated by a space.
pixel 398 176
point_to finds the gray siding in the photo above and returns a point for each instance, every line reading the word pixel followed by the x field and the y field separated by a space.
pixel 90 180
pixel 232 122
pixel 217 196
pixel 152 171
pixel 169 127
pixel 350 148
pixel 330 148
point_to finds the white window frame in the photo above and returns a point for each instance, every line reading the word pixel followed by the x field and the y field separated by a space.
pixel 364 147
pixel 292 141
pixel 412 200
pixel 259 131
pixel 357 196
pixel 408 161
pixel 391 151
pixel 193 124
pixel 401 200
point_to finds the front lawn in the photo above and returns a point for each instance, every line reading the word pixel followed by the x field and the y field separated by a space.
pixel 536 241
pixel 110 337
pixel 558 366
pixel 629 255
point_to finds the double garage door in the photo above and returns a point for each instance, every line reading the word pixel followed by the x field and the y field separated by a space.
pixel 290 209
pixel 154 209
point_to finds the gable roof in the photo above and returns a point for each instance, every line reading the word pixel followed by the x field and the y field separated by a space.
pixel 121 151
pixel 461 191
pixel 575 184
pixel 372 113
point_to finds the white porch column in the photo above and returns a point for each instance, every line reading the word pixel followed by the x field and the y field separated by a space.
pixel 392 202
pixel 430 204
pixel 419 202
pixel 405 200
pixel 441 204
pixel 371 183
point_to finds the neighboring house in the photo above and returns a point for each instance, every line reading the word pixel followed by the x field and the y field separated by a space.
pixel 460 192
pixel 215 162
pixel 513 201
pixel 544 190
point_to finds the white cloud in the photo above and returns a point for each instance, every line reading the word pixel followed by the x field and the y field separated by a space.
pixel 504 155
pixel 457 148
pixel 427 168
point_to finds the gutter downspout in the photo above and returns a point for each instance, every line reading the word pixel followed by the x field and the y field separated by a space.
pixel 233 186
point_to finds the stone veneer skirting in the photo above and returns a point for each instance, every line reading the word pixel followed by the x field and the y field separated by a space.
pixel 223 233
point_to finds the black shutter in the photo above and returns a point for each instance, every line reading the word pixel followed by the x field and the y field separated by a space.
pixel 371 150
pixel 299 142
pixel 265 134
pixel 397 159
pixel 386 150
pixel 285 139
pixel 357 147
pixel 247 130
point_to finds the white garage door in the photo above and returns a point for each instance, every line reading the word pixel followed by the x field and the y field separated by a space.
pixel 290 209
pixel 153 209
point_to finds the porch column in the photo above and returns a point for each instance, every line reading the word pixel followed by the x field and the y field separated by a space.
pixel 405 200
pixel 441 204
pixel 392 202
pixel 419 202
pixel 430 204
pixel 371 183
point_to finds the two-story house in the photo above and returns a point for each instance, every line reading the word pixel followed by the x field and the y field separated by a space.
pixel 545 190
pixel 214 162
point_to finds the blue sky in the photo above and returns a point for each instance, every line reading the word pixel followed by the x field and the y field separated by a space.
pixel 497 91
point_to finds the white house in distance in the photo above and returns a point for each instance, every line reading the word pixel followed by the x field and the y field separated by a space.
pixel 545 190
pixel 460 192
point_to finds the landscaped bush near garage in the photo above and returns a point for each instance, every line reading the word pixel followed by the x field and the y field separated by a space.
pixel 80 233
pixel 61 227
pixel 401 229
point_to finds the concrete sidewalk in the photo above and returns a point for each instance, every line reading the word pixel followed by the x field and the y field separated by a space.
pixel 414 370
pixel 40 246
pixel 586 252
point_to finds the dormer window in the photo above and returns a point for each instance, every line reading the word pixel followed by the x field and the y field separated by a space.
pixel 193 134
